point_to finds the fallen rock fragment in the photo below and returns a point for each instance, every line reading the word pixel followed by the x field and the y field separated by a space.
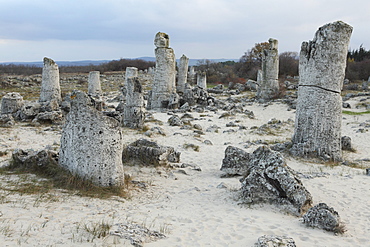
pixel 275 241
pixel 270 180
pixel 323 217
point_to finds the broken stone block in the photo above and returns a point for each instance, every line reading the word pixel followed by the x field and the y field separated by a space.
pixel 6 120
pixel 30 158
pixel 275 241
pixel 50 88
pixel 322 63
pixel 269 179
pixel 29 111
pixel 323 217
pixel 150 153
pixel 91 143
pixel 48 117
pixel 11 103
pixel 175 120
pixel 269 84
pixel 94 86
pixel 134 110
pixel 235 162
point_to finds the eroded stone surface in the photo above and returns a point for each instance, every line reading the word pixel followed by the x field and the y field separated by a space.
pixel 322 64
pixel 94 86
pixel 150 153
pixel 50 88
pixel 11 103
pixel 164 84
pixel 270 179
pixel 134 110
pixel 182 74
pixel 91 143
pixel 268 83
pixel 202 79
pixel 235 162
pixel 324 217
pixel 275 241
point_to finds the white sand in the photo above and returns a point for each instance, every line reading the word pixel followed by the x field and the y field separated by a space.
pixel 189 208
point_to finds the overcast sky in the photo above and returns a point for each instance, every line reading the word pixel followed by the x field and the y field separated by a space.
pixel 70 30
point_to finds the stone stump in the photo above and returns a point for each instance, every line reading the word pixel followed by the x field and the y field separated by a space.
pixel 94 87
pixel 269 84
pixel 165 73
pixel 91 143
pixel 322 65
pixel 202 80
pixel 50 88
pixel 182 74
pixel 11 103
pixel 134 111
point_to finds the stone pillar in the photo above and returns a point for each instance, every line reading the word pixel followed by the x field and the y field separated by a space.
pixel 91 143
pixel 165 73
pixel 183 74
pixel 94 87
pixel 322 65
pixel 130 73
pixel 191 77
pixel 202 80
pixel 134 111
pixel 269 85
pixel 50 88
pixel 11 103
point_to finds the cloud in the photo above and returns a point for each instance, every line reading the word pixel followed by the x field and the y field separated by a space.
pixel 200 28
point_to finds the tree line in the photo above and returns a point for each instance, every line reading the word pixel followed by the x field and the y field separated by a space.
pixel 114 65
pixel 358 66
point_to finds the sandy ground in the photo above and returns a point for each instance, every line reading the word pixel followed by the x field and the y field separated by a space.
pixel 191 207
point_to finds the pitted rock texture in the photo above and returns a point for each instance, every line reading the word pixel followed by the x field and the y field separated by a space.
pixel 91 143
pixel 11 103
pixel 324 217
pixel 322 64
pixel 150 153
pixel 270 179
pixel 236 161
pixel 275 241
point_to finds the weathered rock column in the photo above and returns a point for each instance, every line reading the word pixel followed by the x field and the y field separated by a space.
pixel 130 73
pixel 322 65
pixel 183 74
pixel 134 111
pixel 191 77
pixel 202 80
pixel 91 143
pixel 269 85
pixel 11 103
pixel 94 87
pixel 165 73
pixel 50 88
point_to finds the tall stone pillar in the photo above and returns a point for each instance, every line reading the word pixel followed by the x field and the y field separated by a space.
pixel 130 73
pixel 269 85
pixel 134 111
pixel 191 77
pixel 322 65
pixel 165 73
pixel 94 87
pixel 182 74
pixel 202 80
pixel 50 88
